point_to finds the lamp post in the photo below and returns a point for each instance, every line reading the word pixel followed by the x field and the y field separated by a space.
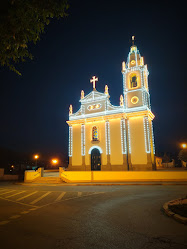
pixel 36 158
pixel 183 155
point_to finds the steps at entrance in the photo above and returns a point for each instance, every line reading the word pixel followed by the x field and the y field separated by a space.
pixel 48 180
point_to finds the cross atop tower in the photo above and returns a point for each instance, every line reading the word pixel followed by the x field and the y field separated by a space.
pixel 133 38
pixel 93 80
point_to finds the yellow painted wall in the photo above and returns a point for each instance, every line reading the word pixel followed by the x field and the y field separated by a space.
pixel 76 176
pixel 138 154
pixel 116 156
pixel 89 143
pixel 76 157
pixel 115 176
pixel 30 175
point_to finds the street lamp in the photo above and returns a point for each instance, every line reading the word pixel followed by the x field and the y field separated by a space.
pixel 54 161
pixel 36 158
pixel 184 145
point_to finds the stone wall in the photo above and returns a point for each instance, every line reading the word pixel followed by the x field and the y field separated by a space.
pixel 4 177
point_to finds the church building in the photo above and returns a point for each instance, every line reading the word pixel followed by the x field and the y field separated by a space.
pixel 114 138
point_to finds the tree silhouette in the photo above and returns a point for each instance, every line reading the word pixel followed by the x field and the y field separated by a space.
pixel 22 22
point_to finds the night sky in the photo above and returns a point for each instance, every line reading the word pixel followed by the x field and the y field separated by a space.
pixel 94 40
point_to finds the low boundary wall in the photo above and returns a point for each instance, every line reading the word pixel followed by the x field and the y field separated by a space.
pixel 4 177
pixel 122 176
pixel 31 175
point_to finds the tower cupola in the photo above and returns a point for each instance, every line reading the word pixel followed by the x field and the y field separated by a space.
pixel 134 58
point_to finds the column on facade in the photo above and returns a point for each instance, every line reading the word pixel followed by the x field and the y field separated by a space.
pixel 83 145
pixel 128 141
pixel 124 144
pixel 107 137
pixel 147 137
pixel 70 152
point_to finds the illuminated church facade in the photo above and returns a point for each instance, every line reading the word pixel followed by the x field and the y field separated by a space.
pixel 114 138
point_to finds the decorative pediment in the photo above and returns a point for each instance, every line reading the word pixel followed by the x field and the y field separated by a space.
pixel 96 104
pixel 94 96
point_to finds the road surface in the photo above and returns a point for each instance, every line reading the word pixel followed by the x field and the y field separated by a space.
pixel 90 217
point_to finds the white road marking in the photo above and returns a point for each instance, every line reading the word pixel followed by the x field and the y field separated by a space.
pixel 4 222
pixel 39 198
pixel 23 197
pixel 3 189
pixel 15 194
pixel 21 203
pixel 15 216
pixel 7 192
pixel 71 198
pixel 60 196
pixel 25 212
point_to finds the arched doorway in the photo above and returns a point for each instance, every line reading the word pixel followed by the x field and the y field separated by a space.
pixel 95 159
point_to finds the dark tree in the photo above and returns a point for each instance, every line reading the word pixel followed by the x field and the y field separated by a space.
pixel 22 22
pixel 166 158
pixel 183 155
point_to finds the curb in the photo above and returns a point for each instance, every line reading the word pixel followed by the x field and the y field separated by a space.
pixel 102 184
pixel 169 213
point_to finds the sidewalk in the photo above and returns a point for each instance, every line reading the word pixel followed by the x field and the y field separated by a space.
pixel 105 183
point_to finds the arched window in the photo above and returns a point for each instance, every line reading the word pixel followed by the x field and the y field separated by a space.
pixel 133 81
pixel 95 134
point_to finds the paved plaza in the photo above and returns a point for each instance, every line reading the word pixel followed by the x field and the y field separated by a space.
pixel 70 217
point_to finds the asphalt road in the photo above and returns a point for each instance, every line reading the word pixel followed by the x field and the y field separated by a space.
pixel 91 217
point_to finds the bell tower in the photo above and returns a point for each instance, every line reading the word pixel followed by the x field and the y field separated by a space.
pixel 135 81
pixel 138 112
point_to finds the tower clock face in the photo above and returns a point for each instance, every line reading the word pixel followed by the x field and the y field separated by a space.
pixel 133 62
pixel 134 100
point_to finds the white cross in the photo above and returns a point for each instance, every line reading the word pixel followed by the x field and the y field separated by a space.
pixel 94 79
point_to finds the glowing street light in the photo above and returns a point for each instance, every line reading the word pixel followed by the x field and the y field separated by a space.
pixel 184 146
pixel 12 168
pixel 54 161
pixel 36 158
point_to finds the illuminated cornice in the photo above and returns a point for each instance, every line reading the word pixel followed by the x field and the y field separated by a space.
pixel 118 109
pixel 136 68
pixel 124 115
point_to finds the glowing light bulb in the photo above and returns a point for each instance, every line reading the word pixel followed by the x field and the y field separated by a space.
pixel 184 146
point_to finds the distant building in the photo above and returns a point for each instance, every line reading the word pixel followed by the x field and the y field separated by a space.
pixel 184 164
pixel 107 137
pixel 158 161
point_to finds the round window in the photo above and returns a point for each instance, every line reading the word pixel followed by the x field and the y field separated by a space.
pixel 134 100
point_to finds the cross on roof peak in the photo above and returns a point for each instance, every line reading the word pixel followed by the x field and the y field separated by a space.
pixel 93 80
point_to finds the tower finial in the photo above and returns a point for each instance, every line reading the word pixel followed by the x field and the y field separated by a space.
pixel 82 94
pixel 106 89
pixel 70 110
pixel 133 38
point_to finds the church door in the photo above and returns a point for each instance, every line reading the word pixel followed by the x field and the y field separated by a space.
pixel 95 160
